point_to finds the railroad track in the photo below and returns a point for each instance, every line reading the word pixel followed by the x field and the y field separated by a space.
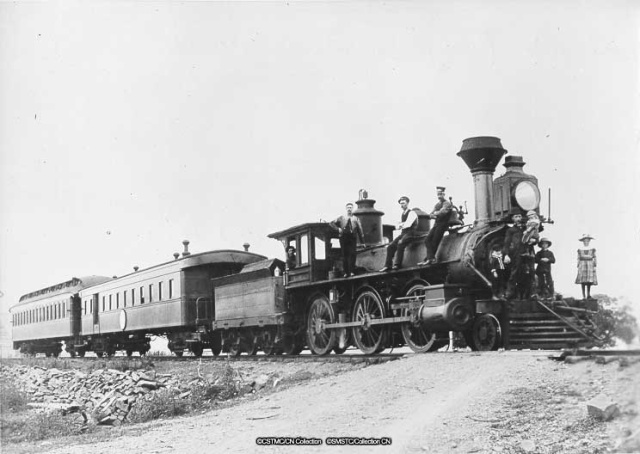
pixel 348 359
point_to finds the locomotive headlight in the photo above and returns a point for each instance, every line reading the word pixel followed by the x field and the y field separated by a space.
pixel 527 195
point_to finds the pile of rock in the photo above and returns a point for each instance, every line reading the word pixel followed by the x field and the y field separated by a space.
pixel 108 393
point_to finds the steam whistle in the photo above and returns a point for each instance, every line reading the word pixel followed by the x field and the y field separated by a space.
pixel 548 220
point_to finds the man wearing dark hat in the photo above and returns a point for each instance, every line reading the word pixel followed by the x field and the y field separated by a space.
pixel 349 231
pixel 441 213
pixel 512 251
pixel 408 225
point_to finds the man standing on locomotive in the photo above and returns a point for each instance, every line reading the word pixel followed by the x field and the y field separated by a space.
pixel 441 213
pixel 348 228
pixel 512 252
pixel 408 226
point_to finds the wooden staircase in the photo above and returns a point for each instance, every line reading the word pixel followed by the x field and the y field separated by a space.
pixel 549 328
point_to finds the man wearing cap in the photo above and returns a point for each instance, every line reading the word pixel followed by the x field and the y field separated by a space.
pixel 408 225
pixel 349 230
pixel 441 213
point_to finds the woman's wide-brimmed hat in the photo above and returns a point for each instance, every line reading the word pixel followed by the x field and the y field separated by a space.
pixel 288 248
pixel 544 240
pixel 586 236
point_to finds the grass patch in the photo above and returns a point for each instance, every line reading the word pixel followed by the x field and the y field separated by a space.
pixel 20 423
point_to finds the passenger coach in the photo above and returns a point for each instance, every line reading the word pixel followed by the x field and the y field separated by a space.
pixel 173 299
pixel 45 318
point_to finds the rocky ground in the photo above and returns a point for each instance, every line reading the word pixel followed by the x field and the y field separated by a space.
pixel 507 402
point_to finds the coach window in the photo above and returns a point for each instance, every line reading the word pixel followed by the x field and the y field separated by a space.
pixel 141 295
pixel 104 299
pixel 160 291
pixel 124 298
pixel 303 256
pixel 118 300
pixel 133 297
pixel 170 288
pixel 84 309
pixel 110 301
pixel 150 293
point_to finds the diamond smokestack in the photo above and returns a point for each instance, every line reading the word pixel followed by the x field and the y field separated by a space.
pixel 482 155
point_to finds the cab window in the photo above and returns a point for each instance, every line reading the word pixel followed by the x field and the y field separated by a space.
pixel 303 255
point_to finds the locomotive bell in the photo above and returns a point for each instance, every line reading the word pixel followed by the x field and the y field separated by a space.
pixel 482 155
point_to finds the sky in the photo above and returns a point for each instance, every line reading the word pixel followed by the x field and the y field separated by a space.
pixel 127 127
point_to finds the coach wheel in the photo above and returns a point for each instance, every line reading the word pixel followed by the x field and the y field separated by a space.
pixel 369 338
pixel 216 345
pixel 99 354
pixel 487 334
pixel 293 345
pixel 196 349
pixel 320 339
pixel 129 352
pixel 81 353
pixel 178 353
pixel 268 342
pixel 417 337
pixel 234 350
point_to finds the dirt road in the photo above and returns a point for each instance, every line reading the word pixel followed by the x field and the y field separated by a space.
pixel 440 403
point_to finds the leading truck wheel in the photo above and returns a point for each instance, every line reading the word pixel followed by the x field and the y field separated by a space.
pixel 486 334
pixel 320 339
pixel 370 338
pixel 417 337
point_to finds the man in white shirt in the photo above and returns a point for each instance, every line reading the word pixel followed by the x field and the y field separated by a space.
pixel 408 226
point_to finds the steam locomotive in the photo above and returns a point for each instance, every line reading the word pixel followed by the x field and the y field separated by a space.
pixel 237 301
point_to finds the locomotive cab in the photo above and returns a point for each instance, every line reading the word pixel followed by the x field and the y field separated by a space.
pixel 316 255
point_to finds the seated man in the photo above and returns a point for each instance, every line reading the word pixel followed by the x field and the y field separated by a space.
pixel 441 213
pixel 408 226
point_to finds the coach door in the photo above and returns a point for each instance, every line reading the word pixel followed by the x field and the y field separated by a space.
pixel 96 313
pixel 75 314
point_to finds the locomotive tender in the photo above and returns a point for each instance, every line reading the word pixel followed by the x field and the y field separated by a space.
pixel 236 302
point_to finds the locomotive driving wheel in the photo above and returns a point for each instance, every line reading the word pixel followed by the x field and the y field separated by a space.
pixel 486 334
pixel 369 338
pixel 320 339
pixel 417 337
